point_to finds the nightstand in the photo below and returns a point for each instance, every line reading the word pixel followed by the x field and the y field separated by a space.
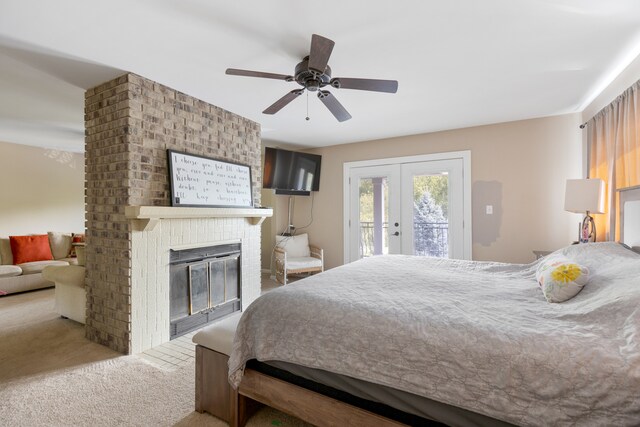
pixel 540 254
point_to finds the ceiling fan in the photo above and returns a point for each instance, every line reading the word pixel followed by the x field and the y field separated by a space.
pixel 313 74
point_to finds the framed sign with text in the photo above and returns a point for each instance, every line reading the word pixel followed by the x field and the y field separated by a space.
pixel 198 181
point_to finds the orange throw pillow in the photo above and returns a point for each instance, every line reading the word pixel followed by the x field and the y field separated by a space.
pixel 30 248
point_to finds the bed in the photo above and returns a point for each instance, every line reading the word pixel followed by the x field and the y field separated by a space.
pixel 404 340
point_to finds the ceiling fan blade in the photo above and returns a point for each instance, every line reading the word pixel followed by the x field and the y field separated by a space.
pixel 333 105
pixel 248 73
pixel 321 48
pixel 282 102
pixel 389 86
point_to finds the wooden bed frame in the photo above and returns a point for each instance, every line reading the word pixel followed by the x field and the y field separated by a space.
pixel 305 404
pixel 215 395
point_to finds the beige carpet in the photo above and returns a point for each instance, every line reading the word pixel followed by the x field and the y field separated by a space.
pixel 50 375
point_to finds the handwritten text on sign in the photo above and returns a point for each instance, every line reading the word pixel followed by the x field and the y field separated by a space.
pixel 208 182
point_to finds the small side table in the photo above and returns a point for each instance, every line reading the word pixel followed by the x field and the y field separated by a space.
pixel 540 254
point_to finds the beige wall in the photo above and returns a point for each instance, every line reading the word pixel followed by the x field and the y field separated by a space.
pixel 277 224
pixel 40 190
pixel 519 167
pixel 268 232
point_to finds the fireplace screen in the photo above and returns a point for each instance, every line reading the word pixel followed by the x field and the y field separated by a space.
pixel 205 285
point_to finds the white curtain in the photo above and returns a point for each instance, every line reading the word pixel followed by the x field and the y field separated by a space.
pixel 613 138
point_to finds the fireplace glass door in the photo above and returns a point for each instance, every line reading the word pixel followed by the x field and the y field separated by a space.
pixel 198 287
pixel 205 285
pixel 224 279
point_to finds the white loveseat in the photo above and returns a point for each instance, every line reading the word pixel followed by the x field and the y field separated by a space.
pixel 28 276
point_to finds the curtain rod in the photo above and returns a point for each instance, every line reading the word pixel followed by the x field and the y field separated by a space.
pixel 582 126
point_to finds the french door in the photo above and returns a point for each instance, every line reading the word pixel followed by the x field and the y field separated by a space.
pixel 413 206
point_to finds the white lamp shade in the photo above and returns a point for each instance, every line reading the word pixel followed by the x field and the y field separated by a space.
pixel 584 195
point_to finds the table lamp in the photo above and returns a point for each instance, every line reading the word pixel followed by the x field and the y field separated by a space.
pixel 585 196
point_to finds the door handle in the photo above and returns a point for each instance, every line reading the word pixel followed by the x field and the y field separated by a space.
pixel 397 233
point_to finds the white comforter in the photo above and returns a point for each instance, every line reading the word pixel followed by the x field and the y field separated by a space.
pixel 475 335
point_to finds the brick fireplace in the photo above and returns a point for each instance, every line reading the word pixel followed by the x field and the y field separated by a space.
pixel 130 123
pixel 171 229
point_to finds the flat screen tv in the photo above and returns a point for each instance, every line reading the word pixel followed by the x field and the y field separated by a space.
pixel 291 172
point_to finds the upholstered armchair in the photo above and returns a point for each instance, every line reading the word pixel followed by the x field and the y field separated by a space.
pixel 294 255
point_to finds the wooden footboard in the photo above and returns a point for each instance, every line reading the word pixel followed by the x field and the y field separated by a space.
pixel 307 405
pixel 215 395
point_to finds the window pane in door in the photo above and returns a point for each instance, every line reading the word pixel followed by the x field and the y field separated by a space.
pixel 374 214
pixel 431 215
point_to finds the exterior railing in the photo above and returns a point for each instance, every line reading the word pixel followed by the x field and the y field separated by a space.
pixel 429 238
pixel 366 238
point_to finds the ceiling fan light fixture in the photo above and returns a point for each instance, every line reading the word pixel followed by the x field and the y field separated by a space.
pixel 312 85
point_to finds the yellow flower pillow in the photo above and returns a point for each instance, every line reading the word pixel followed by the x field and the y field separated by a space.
pixel 561 279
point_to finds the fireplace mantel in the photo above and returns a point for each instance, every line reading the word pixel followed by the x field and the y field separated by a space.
pixel 146 218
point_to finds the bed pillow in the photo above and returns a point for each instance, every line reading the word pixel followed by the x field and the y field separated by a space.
pixel 294 246
pixel 30 248
pixel 560 278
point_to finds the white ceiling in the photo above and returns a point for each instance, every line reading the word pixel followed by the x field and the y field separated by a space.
pixel 459 63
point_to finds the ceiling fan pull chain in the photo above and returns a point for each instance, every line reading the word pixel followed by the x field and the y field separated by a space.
pixel 307 118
